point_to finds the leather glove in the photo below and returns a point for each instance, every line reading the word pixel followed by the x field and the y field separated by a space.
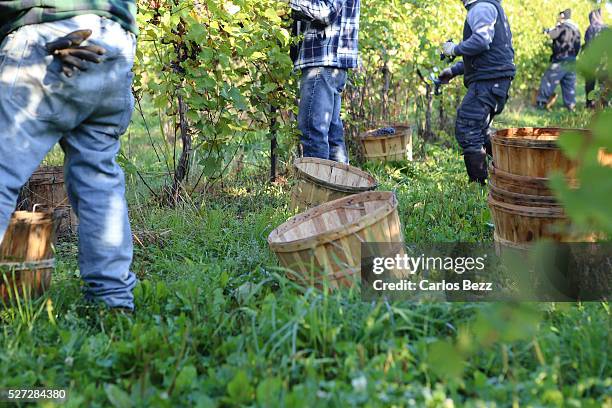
pixel 446 75
pixel 72 55
pixel 449 48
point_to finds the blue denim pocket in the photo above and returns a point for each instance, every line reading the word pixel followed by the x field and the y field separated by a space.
pixel 37 85
pixel 335 77
pixel 128 110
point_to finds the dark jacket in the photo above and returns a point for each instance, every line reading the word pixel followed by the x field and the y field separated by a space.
pixel 497 61
pixel 566 42
pixel 596 27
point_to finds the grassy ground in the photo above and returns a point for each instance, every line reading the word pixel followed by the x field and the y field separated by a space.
pixel 217 323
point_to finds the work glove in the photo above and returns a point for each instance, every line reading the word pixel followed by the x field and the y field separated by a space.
pixel 72 55
pixel 449 49
pixel 446 75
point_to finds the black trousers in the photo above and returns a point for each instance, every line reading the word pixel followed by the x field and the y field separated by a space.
pixel 483 101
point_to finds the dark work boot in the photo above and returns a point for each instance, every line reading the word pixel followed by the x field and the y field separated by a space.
pixel 476 166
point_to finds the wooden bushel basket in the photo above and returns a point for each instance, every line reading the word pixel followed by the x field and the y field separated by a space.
pixel 519 224
pixel 46 190
pixel 395 147
pixel 523 207
pixel 320 181
pixel 324 243
pixel 26 256
pixel 531 152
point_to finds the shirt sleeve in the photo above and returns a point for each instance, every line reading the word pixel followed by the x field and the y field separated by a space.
pixel 458 68
pixel 482 19
pixel 322 11
pixel 555 32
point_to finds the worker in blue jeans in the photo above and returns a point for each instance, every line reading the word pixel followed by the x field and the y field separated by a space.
pixel 566 44
pixel 68 81
pixel 329 49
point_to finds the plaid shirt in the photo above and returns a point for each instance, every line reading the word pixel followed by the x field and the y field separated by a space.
pixel 17 13
pixel 330 33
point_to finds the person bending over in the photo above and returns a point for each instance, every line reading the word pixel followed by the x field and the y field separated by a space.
pixel 566 42
pixel 65 77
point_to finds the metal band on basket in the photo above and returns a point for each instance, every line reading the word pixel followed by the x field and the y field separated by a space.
pixel 27 266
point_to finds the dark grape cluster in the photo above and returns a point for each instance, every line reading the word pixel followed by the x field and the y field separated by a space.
pixel 384 131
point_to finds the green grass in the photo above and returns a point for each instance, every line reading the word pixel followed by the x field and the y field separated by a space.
pixel 217 323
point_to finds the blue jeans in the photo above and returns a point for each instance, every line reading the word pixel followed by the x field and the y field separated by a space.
pixel 319 114
pixel 483 101
pixel 86 114
pixel 563 74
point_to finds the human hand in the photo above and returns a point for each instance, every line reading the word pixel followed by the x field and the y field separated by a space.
pixel 72 55
pixel 446 75
pixel 448 48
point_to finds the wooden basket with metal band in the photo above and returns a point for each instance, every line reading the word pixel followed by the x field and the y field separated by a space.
pixel 395 147
pixel 46 190
pixel 533 185
pixel 532 152
pixel 320 181
pixel 524 224
pixel 26 256
pixel 324 243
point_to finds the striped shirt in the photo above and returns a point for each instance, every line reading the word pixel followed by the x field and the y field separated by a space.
pixel 17 13
pixel 330 33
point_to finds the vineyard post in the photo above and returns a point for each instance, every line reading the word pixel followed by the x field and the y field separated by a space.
pixel 386 85
pixel 273 145
pixel 182 169
pixel 441 112
pixel 429 134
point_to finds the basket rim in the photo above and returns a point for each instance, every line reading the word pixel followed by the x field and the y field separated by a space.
pixel 405 130
pixel 527 211
pixel 506 137
pixel 33 265
pixel 332 164
pixel 336 233
pixel 38 216
pixel 516 177
pixel 525 181
pixel 543 199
